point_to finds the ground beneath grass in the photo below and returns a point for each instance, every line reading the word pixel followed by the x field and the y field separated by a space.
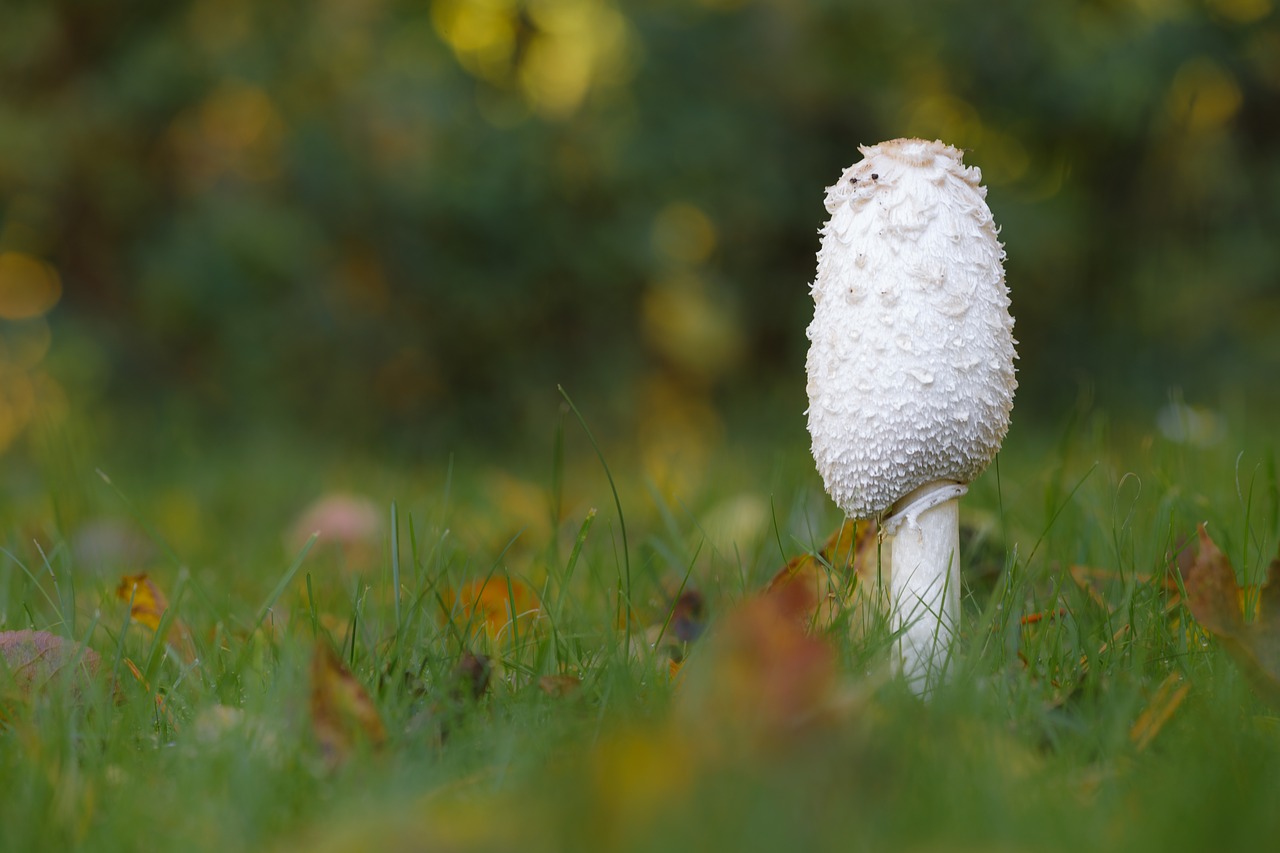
pixel 487 659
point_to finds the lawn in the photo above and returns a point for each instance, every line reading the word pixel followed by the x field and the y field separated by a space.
pixel 263 690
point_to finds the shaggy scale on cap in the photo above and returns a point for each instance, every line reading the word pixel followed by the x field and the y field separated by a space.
pixel 910 366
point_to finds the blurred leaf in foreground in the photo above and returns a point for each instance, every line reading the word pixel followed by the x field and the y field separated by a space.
pixel 342 714
pixel 147 606
pixel 761 673
pixel 1214 598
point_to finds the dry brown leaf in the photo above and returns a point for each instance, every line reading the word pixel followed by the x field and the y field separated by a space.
pixel 342 714
pixel 839 575
pixel 559 685
pixel 147 606
pixel 1100 585
pixel 1215 599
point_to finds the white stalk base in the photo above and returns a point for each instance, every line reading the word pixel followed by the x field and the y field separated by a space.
pixel 924 582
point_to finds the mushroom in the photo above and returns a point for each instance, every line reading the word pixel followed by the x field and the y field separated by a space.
pixel 910 371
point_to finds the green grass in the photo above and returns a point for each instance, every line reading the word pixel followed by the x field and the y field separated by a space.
pixel 1029 746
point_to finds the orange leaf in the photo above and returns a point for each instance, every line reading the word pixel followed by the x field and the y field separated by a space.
pixel 342 714
pixel 488 603
pixel 847 562
pixel 148 608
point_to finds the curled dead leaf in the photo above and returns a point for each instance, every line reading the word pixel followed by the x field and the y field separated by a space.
pixel 1216 599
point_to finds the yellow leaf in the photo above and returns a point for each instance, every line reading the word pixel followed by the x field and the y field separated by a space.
pixel 147 607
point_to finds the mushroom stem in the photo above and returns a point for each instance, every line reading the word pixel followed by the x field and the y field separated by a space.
pixel 924 581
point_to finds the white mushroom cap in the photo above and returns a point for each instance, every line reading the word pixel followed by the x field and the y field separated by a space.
pixel 911 353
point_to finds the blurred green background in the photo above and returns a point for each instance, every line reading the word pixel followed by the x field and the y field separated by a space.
pixel 399 225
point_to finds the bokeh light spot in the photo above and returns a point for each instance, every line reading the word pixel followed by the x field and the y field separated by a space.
pixel 1203 95
pixel 1240 11
pixel 579 43
pixel 28 286
pixel 692 325
pixel 683 233
pixel 481 33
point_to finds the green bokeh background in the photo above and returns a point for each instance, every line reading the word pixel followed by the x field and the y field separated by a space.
pixel 402 224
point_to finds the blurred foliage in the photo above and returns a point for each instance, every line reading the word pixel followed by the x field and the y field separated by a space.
pixel 408 222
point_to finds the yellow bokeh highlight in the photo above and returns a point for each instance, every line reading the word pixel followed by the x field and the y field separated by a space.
pixel 236 131
pixel 482 34
pixel 939 115
pixel 1203 95
pixel 683 233
pixel 692 325
pixel 552 53
pixel 678 430
pixel 29 287
pixel 1240 11
pixel 579 43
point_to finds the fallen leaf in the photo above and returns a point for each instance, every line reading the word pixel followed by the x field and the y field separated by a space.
pixel 492 604
pixel 162 707
pixel 761 673
pixel 470 677
pixel 1159 710
pixel 682 621
pixel 465 685
pixel 559 685
pixel 147 606
pixel 1101 585
pixel 31 661
pixel 688 617
pixel 1215 598
pixel 843 573
pixel 342 714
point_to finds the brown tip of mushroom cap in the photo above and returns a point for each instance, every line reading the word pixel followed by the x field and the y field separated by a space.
pixel 916 152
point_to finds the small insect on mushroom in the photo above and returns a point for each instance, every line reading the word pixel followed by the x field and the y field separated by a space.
pixel 910 371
